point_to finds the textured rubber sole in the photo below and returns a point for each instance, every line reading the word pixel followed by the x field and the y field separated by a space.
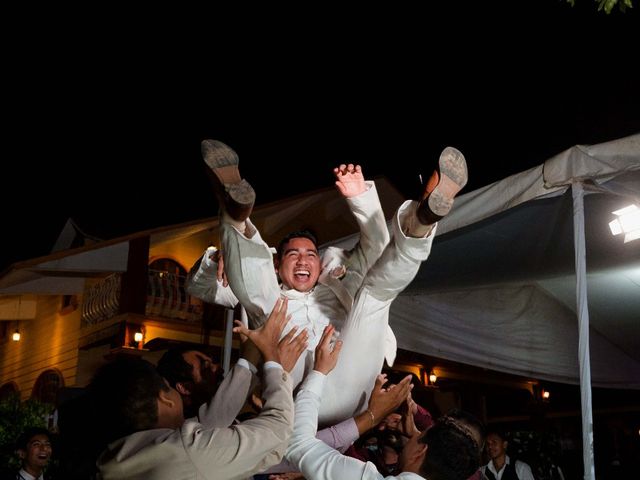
pixel 453 176
pixel 235 194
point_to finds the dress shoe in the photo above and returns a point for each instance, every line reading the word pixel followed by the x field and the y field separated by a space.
pixel 444 184
pixel 235 195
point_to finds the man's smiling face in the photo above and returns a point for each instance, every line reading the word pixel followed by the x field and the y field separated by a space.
pixel 38 452
pixel 299 265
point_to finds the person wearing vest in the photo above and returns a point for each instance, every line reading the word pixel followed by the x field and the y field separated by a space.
pixel 500 467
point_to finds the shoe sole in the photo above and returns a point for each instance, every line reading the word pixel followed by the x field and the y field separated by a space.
pixel 234 193
pixel 453 178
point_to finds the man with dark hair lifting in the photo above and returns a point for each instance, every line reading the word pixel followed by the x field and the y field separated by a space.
pixel 448 450
pixel 149 437
pixel 192 373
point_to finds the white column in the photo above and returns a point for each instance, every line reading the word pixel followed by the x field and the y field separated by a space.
pixel 228 338
pixel 582 309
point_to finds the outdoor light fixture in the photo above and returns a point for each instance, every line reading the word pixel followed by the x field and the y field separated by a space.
pixel 546 394
pixel 432 378
pixel 16 335
pixel 134 336
pixel 628 222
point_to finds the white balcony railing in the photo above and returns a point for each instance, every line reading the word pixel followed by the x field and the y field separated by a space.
pixel 166 298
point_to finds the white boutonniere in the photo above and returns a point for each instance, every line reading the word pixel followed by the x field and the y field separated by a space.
pixel 338 272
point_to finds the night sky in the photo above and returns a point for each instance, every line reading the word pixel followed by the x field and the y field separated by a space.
pixel 103 115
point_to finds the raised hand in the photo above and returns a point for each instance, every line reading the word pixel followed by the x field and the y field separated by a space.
pixel 290 348
pixel 327 357
pixel 267 336
pixel 221 275
pixel 412 406
pixel 384 401
pixel 408 426
pixel 349 180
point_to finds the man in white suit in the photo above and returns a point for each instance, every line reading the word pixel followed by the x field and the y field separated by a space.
pixel 351 290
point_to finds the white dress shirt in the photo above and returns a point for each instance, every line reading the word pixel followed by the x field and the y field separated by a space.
pixel 314 458
pixel 24 475
pixel 523 470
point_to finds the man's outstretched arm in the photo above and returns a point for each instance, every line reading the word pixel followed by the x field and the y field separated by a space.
pixel 206 280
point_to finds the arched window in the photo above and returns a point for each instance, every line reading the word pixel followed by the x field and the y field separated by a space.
pixel 47 386
pixel 166 283
pixel 166 266
pixel 8 389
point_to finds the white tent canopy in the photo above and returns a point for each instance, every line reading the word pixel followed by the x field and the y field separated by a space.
pixel 526 278
pixel 499 290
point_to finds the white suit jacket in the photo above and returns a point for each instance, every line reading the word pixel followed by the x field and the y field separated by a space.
pixel 314 458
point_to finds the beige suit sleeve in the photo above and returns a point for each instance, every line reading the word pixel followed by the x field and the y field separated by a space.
pixel 202 282
pixel 228 400
pixel 374 237
pixel 252 446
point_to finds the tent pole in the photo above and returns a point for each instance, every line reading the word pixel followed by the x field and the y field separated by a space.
pixel 228 336
pixel 228 339
pixel 583 333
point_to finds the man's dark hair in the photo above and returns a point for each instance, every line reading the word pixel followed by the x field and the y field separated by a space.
pixel 124 393
pixel 173 366
pixel 500 432
pixel 297 234
pixel 23 440
pixel 453 453
pixel 470 420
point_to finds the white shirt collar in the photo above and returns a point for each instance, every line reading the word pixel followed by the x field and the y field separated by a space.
pixel 492 467
pixel 27 476
pixel 293 294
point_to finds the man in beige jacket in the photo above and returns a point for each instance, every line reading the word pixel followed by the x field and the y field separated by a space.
pixel 154 441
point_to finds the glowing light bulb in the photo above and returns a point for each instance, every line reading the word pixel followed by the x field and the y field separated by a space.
pixel 628 222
